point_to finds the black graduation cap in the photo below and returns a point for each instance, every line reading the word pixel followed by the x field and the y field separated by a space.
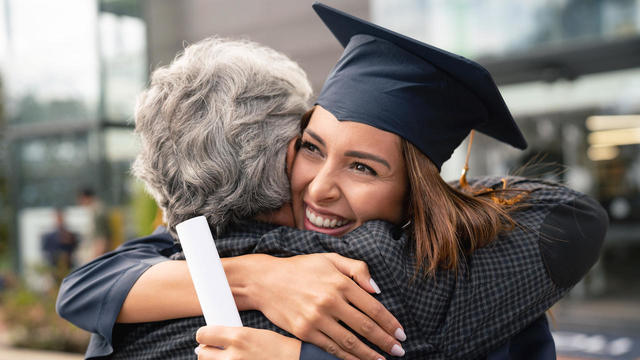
pixel 426 95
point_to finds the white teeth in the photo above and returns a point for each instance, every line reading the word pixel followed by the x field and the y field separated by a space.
pixel 319 221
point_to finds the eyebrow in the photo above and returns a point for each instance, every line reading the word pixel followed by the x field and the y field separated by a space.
pixel 315 136
pixel 364 155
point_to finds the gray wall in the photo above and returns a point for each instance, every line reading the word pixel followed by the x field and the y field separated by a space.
pixel 290 26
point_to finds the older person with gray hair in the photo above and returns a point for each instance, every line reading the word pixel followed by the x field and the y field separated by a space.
pixel 214 127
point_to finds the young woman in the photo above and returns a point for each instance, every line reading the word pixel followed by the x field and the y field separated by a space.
pixel 390 113
pixel 382 163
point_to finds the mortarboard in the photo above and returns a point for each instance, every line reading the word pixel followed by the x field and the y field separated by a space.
pixel 426 95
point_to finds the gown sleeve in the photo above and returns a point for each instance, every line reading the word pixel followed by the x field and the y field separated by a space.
pixel 312 352
pixel 570 239
pixel 92 295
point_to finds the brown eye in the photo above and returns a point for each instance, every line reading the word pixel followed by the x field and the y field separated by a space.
pixel 309 146
pixel 360 167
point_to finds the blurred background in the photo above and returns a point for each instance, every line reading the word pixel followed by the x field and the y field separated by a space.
pixel 70 71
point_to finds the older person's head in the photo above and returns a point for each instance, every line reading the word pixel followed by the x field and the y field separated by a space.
pixel 214 127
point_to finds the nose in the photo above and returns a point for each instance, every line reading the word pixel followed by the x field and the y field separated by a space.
pixel 324 187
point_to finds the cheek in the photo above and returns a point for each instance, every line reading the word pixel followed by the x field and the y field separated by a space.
pixel 300 175
pixel 378 202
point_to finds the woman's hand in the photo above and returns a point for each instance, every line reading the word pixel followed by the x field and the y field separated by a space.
pixel 308 295
pixel 244 343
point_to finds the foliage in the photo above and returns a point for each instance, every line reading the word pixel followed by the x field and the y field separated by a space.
pixel 32 321
pixel 145 210
pixel 5 215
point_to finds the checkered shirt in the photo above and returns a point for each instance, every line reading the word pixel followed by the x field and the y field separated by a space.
pixel 497 292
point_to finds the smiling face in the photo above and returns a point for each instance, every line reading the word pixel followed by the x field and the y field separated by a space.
pixel 346 173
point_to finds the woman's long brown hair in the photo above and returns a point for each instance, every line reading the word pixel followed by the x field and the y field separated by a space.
pixel 447 223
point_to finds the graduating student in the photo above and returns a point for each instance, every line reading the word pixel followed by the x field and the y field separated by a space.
pixel 468 270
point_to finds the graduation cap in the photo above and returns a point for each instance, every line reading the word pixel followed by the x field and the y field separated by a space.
pixel 426 95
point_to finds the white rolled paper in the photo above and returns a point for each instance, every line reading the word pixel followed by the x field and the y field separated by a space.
pixel 207 273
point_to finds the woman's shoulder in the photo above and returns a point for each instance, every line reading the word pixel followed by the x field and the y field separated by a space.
pixel 570 226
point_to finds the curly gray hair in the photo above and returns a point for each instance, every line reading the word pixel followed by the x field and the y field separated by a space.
pixel 214 127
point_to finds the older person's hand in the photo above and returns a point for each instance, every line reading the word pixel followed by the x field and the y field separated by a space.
pixel 244 343
pixel 308 295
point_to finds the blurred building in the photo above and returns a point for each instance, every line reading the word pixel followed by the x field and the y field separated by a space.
pixel 568 69
pixel 71 71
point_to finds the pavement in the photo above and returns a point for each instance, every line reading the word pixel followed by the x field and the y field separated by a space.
pixel 10 353
pixel 606 329
pixel 7 353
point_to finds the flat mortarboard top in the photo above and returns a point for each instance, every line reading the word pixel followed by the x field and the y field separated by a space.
pixel 428 96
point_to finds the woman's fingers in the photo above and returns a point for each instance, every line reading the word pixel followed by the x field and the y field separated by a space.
pixel 244 343
pixel 366 327
pixel 348 342
pixel 356 270
pixel 210 335
pixel 327 344
pixel 375 311
pixel 208 353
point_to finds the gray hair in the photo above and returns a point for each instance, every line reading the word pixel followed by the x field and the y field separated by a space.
pixel 214 127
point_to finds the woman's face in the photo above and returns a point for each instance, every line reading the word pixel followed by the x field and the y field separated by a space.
pixel 346 173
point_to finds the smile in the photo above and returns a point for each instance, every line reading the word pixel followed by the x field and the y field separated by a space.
pixel 323 221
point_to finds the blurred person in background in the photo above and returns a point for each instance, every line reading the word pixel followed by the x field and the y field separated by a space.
pixel 99 238
pixel 58 247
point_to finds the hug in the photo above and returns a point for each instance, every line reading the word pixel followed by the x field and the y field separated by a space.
pixel 339 238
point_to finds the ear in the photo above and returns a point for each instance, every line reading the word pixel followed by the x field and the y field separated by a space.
pixel 292 151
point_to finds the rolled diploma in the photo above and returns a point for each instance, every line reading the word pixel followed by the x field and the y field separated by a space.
pixel 207 273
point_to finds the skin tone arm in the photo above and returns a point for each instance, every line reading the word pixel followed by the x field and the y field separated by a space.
pixel 245 343
pixel 142 304
pixel 257 283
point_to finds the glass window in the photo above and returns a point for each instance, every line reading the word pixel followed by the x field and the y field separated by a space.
pixel 51 61
pixel 123 63
pixel 52 169
pixel 498 27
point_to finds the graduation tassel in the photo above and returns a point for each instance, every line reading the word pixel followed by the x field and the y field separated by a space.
pixel 463 178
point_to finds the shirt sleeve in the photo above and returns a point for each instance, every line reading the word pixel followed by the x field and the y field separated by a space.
pixel 91 296
pixel 571 237
pixel 311 352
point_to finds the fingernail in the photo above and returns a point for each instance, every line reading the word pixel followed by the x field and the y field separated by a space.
pixel 400 335
pixel 196 350
pixel 375 286
pixel 397 350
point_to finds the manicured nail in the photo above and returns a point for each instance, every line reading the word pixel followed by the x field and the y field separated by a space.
pixel 375 286
pixel 400 335
pixel 196 350
pixel 397 350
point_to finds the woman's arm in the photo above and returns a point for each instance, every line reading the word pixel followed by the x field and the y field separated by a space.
pixel 244 343
pixel 142 303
